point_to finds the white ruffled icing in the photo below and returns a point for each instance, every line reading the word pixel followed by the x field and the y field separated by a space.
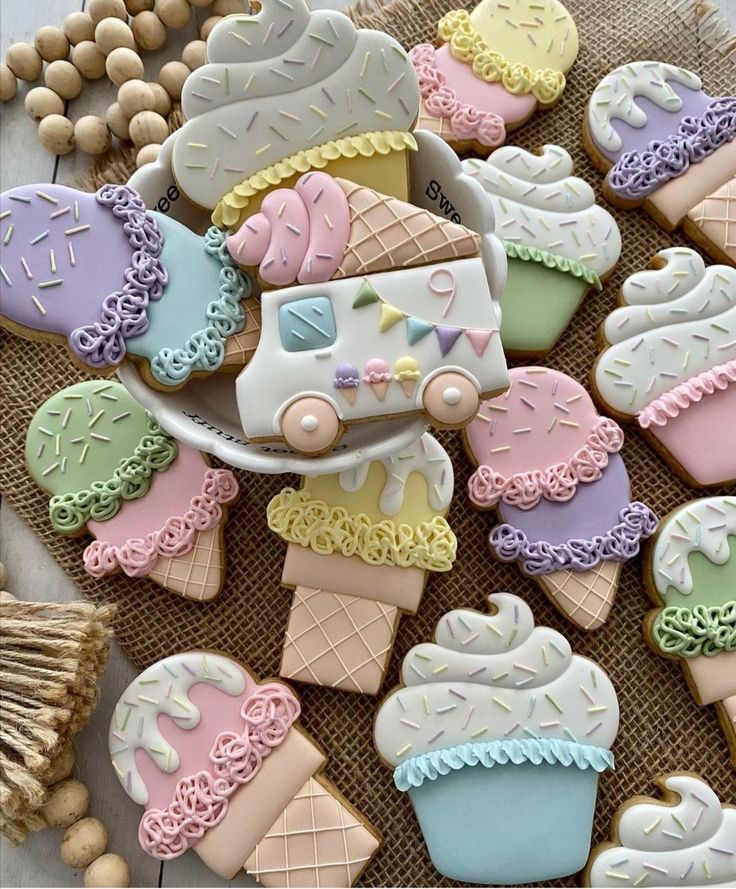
pixel 539 203
pixel 687 843
pixel 495 677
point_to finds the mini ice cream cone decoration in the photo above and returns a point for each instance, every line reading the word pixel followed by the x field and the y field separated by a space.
pixel 222 767
pixel 347 380
pixel 360 546
pixel 407 374
pixel 690 573
pixel 550 466
pixel 155 508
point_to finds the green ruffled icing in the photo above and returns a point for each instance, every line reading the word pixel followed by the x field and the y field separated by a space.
pixel 690 632
pixel 415 771
pixel 552 261
pixel 155 452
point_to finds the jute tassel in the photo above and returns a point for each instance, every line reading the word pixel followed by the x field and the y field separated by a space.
pixel 51 657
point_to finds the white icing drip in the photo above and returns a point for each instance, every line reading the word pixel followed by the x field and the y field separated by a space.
pixel 615 97
pixel 539 203
pixel 702 526
pixel 164 689
pixel 687 843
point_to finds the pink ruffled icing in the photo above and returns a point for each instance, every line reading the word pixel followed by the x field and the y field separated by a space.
pixel 668 406
pixel 440 99
pixel 138 555
pixel 487 487
pixel 201 800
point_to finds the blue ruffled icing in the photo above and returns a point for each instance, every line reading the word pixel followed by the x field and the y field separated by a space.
pixel 429 766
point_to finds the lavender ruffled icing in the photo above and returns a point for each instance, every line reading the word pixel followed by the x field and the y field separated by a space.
pixel 638 173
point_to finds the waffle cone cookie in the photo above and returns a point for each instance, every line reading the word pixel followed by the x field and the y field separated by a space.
pixel 235 777
pixel 668 146
pixel 360 546
pixel 240 347
pixel 669 363
pixel 154 507
pixel 690 574
pixel 550 466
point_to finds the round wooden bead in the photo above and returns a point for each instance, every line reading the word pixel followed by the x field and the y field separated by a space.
pixel 61 767
pixel 147 154
pixel 24 61
pixel 149 31
pixel 228 7
pixel 136 6
pixel 163 101
pixel 92 134
pixel 68 801
pixel 8 83
pixel 83 841
pixel 117 121
pixel 41 101
pixel 109 870
pixel 193 54
pixel 111 34
pixel 208 25
pixel 89 60
pixel 135 96
pixel 64 79
pixel 172 76
pixel 51 43
pixel 56 134
pixel 175 14
pixel 123 64
pixel 78 26
pixel 104 9
pixel 148 127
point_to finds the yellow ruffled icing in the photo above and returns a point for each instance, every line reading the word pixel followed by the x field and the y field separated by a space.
pixel 229 212
pixel 467 45
pixel 298 518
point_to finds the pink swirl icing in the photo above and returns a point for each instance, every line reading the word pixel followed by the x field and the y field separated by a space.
pixel 487 487
pixel 138 555
pixel 668 406
pixel 441 100
pixel 201 800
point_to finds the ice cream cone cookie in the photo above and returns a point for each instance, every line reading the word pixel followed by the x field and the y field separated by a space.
pixel 360 546
pixel 668 146
pixel 499 733
pixel 690 574
pixel 560 244
pixel 549 465
pixel 155 508
pixel 494 67
pixel 110 279
pixel 669 363
pixel 286 90
pixel 407 374
pixel 222 766
pixel 685 838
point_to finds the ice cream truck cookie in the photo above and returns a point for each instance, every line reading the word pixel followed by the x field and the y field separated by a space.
pixel 222 766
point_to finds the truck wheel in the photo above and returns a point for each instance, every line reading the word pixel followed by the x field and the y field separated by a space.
pixel 450 400
pixel 310 426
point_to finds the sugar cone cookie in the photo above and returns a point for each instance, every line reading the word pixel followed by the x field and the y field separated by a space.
pixel 586 597
pixel 240 347
pixel 199 573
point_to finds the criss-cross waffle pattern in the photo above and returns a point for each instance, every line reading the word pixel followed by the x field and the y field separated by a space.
pixel 386 233
pixel 439 125
pixel 337 640
pixel 585 597
pixel 715 216
pixel 315 841
pixel 239 347
pixel 196 574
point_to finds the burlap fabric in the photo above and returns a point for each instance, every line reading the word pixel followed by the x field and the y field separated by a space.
pixel 661 727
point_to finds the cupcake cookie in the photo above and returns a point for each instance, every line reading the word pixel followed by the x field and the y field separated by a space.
pixel 499 734
pixel 669 363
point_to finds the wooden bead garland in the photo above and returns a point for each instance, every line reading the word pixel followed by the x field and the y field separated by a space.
pixel 208 25
pixel 41 101
pixel 172 77
pixel 135 96
pixel 83 841
pixel 64 79
pixel 147 154
pixel 149 31
pixel 8 83
pixel 123 64
pixel 92 135
pixel 24 61
pixel 67 803
pixel 117 121
pixel 56 134
pixel 111 33
pixel 51 43
pixel 148 127
pixel 194 54
pixel 78 26
pixel 89 60
pixel 103 9
pixel 108 870
pixel 162 98
pixel 175 14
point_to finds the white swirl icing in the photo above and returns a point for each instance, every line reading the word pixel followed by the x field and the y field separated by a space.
pixel 615 97
pixel 282 81
pixel 427 457
pixel 495 677
pixel 701 526
pixel 539 203
pixel 685 842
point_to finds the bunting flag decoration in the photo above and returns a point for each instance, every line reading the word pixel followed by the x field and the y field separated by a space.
pixel 447 337
pixel 390 315
pixel 479 340
pixel 366 295
pixel 416 329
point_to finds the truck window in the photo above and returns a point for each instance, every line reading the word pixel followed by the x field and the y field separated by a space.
pixel 307 324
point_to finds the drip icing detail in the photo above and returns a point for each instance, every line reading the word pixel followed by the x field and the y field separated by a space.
pixel 700 630
pixel 526 253
pixel 668 406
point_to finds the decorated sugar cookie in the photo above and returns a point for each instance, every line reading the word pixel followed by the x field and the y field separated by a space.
pixel 669 363
pixel 155 507
pixel 494 67
pixel 287 90
pixel 550 466
pixel 559 242
pixel 666 144
pixel 686 838
pixel 110 279
pixel 499 733
pixel 691 576
pixel 222 766
pixel 360 546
